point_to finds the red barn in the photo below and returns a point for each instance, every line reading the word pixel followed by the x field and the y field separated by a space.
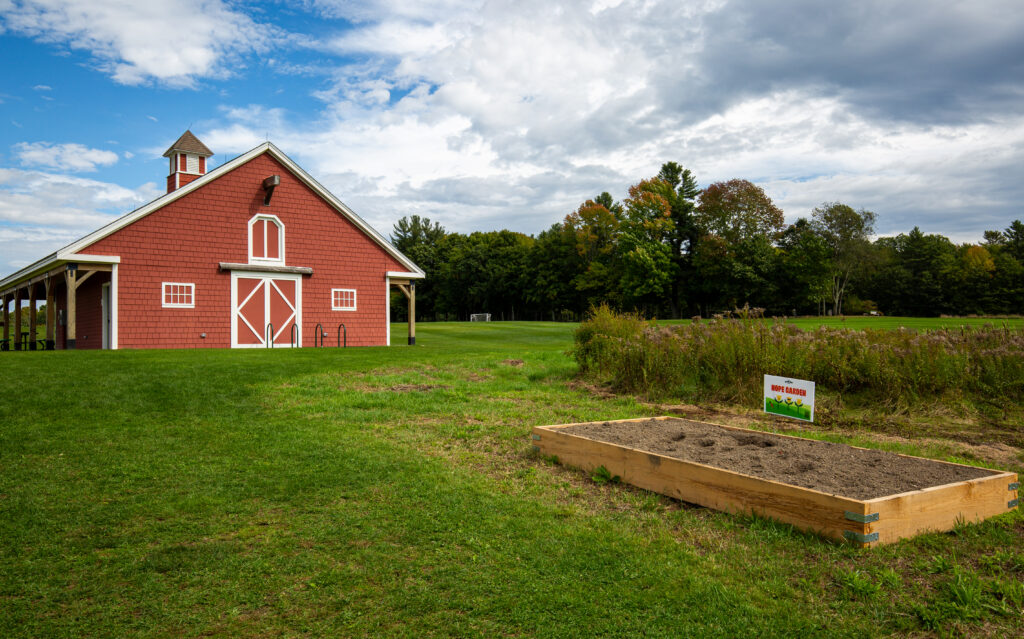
pixel 255 253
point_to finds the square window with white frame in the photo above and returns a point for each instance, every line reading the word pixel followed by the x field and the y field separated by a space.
pixel 343 299
pixel 179 295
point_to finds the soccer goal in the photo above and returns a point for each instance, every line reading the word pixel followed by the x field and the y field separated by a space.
pixel 480 317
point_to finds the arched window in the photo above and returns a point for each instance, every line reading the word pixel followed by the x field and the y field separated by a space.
pixel 266 240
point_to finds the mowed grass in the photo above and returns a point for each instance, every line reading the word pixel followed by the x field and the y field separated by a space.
pixel 393 492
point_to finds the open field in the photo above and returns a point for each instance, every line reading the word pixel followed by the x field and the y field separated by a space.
pixel 393 492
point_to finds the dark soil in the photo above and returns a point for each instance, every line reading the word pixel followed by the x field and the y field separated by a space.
pixel 837 469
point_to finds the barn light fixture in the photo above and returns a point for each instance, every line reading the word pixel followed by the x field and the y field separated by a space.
pixel 268 185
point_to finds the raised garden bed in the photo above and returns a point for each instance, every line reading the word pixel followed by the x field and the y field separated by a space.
pixel 844 492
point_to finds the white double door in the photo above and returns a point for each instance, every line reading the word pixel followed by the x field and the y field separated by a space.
pixel 266 308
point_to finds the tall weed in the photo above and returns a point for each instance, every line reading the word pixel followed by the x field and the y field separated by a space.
pixel 726 359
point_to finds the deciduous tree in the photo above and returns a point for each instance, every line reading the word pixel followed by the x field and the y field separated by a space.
pixel 644 246
pixel 737 210
pixel 846 232
pixel 804 279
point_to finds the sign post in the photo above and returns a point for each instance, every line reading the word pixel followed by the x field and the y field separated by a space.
pixel 789 397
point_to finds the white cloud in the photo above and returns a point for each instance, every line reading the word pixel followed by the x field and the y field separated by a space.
pixel 490 115
pixel 42 87
pixel 42 212
pixel 393 38
pixel 806 150
pixel 136 42
pixel 491 95
pixel 65 201
pixel 360 11
pixel 516 113
pixel 63 157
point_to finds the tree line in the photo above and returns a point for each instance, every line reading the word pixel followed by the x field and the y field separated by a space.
pixel 670 249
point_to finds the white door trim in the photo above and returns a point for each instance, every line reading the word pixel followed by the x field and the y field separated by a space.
pixel 268 279
pixel 113 307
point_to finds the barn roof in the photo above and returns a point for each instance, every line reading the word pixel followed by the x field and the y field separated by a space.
pixel 70 252
pixel 189 143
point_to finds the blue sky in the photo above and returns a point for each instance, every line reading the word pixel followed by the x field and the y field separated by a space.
pixel 487 115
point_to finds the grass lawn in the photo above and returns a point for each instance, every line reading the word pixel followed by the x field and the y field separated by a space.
pixel 393 492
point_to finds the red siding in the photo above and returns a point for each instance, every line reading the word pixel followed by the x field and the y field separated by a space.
pixel 89 312
pixel 185 240
pixel 185 178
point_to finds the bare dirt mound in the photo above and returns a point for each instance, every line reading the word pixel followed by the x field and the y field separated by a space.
pixel 832 468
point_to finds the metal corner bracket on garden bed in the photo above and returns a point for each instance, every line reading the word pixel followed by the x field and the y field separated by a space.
pixel 863 522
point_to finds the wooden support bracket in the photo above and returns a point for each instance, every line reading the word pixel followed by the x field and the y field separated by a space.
pixel 80 280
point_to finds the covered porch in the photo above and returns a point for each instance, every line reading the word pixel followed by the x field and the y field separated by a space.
pixel 79 294
pixel 406 283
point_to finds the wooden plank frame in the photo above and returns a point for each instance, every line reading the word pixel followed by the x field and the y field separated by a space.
pixel 863 523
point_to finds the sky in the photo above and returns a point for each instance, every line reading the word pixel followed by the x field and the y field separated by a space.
pixel 490 115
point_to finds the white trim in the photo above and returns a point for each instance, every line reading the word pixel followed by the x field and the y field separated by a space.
pixel 45 264
pixel 334 307
pixel 411 276
pixel 387 309
pixel 113 307
pixel 268 279
pixel 105 316
pixel 85 258
pixel 163 295
pixel 266 217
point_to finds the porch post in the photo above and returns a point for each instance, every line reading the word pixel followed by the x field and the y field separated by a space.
pixel 17 319
pixel 71 276
pixel 412 313
pixel 6 319
pixel 51 314
pixel 32 316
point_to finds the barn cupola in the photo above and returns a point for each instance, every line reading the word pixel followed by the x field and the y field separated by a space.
pixel 188 160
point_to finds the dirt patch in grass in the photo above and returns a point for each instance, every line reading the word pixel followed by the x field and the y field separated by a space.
pixel 597 391
pixel 514 363
pixel 416 388
pixel 825 466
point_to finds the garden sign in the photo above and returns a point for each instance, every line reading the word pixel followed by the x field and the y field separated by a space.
pixel 789 397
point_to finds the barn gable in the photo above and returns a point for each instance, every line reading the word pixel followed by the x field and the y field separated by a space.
pixel 265 148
